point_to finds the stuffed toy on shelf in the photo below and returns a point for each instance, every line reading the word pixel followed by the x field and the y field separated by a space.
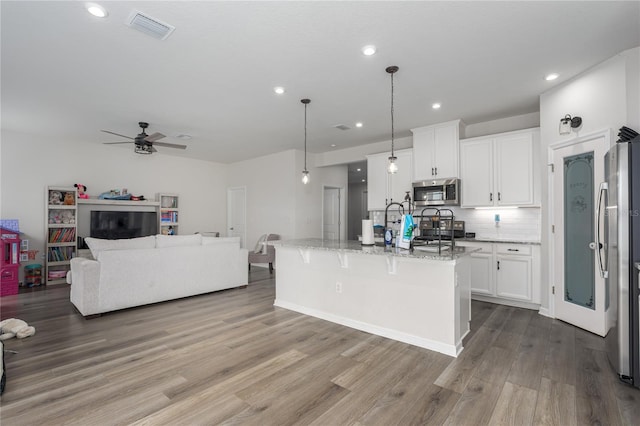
pixel 82 189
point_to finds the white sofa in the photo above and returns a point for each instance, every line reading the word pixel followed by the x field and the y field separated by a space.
pixel 139 271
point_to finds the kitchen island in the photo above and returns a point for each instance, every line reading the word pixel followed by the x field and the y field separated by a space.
pixel 418 297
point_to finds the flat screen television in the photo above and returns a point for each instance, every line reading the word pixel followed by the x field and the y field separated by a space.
pixel 114 225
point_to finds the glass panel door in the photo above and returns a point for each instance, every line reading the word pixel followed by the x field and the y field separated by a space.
pixel 577 223
pixel 579 263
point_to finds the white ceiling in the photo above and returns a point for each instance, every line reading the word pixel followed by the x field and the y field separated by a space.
pixel 68 74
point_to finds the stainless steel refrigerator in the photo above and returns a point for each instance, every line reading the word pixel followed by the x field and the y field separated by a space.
pixel 621 259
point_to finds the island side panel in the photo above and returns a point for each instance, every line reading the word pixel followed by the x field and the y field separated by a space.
pixel 415 301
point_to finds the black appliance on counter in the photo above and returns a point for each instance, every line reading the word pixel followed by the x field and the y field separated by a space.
pixel 436 227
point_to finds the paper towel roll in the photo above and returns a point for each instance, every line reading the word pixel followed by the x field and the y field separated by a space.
pixel 367 233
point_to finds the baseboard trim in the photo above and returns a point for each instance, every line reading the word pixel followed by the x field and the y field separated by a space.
pixel 451 350
pixel 499 301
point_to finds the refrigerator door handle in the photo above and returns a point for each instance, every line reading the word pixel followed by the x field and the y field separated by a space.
pixel 604 187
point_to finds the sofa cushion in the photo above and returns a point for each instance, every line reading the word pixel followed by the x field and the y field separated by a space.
pixel 178 240
pixel 207 241
pixel 96 245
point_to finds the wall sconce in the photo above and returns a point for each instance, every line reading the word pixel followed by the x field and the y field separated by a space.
pixel 567 123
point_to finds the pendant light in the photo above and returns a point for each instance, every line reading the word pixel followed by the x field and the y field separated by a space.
pixel 305 172
pixel 392 167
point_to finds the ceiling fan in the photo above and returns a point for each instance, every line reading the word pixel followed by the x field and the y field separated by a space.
pixel 144 143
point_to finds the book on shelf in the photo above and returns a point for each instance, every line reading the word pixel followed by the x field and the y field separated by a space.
pixel 62 235
pixel 60 254
pixel 169 217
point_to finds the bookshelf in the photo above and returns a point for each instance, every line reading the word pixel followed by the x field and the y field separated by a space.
pixel 169 214
pixel 61 225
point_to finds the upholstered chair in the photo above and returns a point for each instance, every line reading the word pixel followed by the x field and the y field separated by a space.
pixel 264 252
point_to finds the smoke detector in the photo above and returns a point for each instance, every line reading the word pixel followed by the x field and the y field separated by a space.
pixel 150 26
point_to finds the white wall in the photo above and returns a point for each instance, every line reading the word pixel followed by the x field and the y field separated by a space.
pixel 277 201
pixel 508 124
pixel 359 153
pixel 606 97
pixel 309 198
pixel 31 163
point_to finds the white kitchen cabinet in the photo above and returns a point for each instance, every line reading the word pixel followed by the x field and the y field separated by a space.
pixel 482 277
pixel 476 177
pixel 505 273
pixel 435 151
pixel 500 170
pixel 382 186
pixel 513 277
pixel 377 181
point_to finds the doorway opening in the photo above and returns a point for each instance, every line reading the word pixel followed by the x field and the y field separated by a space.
pixel 357 208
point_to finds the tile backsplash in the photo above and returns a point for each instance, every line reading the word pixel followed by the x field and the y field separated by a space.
pixel 523 224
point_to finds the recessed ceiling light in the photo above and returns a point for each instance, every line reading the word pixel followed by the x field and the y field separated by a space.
pixel 358 170
pixel 369 50
pixel 333 145
pixel 358 124
pixel 279 90
pixel 184 136
pixel 551 77
pixel 436 106
pixel 96 10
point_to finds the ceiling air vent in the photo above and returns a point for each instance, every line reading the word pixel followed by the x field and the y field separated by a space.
pixel 150 26
pixel 342 127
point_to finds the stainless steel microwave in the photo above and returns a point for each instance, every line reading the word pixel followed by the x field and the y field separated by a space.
pixel 437 192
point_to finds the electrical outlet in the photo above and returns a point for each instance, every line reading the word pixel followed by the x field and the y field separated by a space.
pixel 338 287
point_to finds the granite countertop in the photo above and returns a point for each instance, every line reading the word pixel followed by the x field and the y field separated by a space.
pixel 502 240
pixel 357 247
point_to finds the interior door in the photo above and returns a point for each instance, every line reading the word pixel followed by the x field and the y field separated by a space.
pixel 331 214
pixel 578 218
pixel 237 214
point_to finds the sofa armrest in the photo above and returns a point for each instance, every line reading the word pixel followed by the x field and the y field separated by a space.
pixel 85 293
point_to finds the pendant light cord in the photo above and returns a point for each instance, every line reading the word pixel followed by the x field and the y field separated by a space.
pixel 305 136
pixel 392 128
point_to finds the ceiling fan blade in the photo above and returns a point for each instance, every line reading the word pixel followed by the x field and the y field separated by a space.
pixel 115 143
pixel 152 149
pixel 154 137
pixel 170 145
pixel 117 134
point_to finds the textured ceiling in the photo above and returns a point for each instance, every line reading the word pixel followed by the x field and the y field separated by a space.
pixel 68 74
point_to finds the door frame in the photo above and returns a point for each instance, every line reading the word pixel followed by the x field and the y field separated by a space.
pixel 244 193
pixel 342 213
pixel 606 135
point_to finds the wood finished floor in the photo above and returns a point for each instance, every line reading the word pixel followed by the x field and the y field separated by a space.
pixel 232 358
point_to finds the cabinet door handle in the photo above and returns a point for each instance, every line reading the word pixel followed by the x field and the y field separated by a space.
pixel 491 196
pixel 498 196
pixel 498 265
pixel 432 171
pixel 436 171
pixel 513 249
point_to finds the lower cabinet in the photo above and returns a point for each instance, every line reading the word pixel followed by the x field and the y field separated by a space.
pixel 505 273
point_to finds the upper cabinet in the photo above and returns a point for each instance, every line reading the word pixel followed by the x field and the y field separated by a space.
pixel 500 170
pixel 435 151
pixel 383 187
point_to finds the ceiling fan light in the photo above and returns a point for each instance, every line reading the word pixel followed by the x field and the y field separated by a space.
pixel 143 149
